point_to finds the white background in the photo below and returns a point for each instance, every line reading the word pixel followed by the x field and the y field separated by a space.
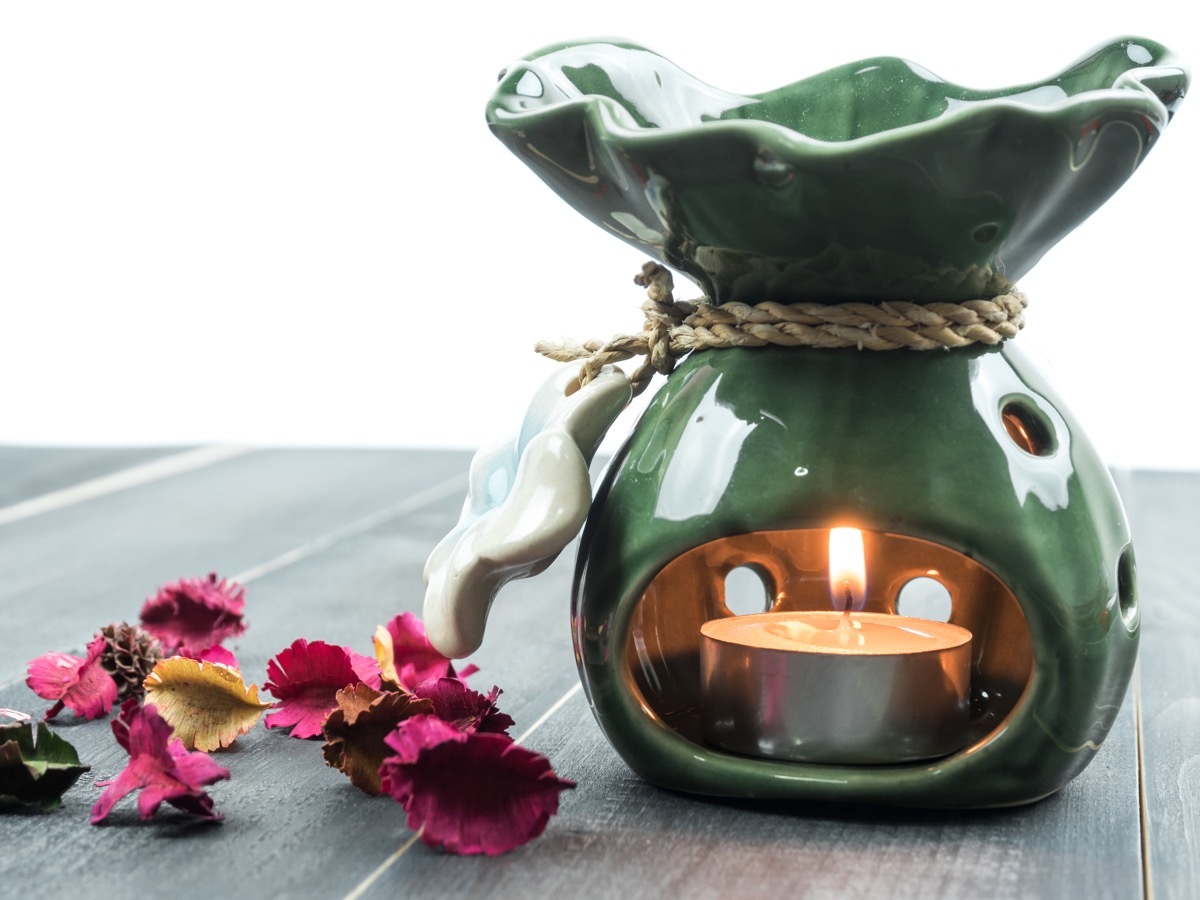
pixel 287 223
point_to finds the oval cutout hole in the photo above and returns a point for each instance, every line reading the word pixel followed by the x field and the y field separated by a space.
pixel 925 598
pixel 747 591
pixel 1127 588
pixel 985 233
pixel 1028 428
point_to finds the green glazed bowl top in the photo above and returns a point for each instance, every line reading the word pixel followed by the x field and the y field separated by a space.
pixel 875 180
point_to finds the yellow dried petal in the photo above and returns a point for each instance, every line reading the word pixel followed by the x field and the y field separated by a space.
pixel 385 655
pixel 206 704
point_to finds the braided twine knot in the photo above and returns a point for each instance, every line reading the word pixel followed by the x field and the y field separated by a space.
pixel 674 328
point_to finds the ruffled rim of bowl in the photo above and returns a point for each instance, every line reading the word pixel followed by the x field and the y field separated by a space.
pixel 1133 91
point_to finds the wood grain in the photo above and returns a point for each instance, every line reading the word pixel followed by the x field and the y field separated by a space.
pixel 294 827
pixel 26 472
pixel 67 573
pixel 1165 516
pixel 619 837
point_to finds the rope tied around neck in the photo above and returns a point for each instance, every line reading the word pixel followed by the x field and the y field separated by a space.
pixel 674 328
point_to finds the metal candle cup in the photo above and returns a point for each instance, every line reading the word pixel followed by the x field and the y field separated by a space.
pixel 864 688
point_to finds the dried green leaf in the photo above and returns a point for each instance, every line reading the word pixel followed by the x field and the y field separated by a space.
pixel 35 772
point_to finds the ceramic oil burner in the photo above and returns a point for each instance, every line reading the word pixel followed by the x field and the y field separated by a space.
pixel 863 186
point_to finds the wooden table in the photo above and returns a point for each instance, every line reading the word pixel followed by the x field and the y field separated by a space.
pixel 331 542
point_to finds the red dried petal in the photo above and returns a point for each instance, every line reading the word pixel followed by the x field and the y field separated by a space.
pixel 195 612
pixel 306 677
pixel 215 654
pixel 82 685
pixel 161 768
pixel 469 792
pixel 465 709
pixel 416 660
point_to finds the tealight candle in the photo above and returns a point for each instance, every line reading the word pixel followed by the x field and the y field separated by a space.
pixel 836 686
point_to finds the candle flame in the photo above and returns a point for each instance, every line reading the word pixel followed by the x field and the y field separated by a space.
pixel 847 569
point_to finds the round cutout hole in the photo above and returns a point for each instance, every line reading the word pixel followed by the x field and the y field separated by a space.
pixel 925 598
pixel 747 591
pixel 1028 428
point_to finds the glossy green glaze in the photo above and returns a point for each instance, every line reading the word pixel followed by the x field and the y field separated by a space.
pixel 876 180
pixel 907 443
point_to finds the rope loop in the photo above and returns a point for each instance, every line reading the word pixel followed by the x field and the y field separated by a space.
pixel 673 328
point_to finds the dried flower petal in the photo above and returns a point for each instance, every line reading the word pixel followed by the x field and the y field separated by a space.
pixel 80 684
pixel 306 677
pixel 158 766
pixel 206 704
pixel 355 731
pixel 406 658
pixel 465 709
pixel 216 654
pixel 195 612
pixel 469 792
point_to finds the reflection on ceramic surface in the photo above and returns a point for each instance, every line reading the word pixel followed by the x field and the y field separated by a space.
pixel 527 498
pixel 913 445
pixel 874 180
pixel 713 436
pixel 1045 475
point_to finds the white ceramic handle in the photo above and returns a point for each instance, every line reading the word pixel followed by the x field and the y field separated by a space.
pixel 526 500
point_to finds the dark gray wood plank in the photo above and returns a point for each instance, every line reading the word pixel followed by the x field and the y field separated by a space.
pixel 1166 527
pixel 29 471
pixel 618 837
pixel 296 828
pixel 293 826
pixel 68 572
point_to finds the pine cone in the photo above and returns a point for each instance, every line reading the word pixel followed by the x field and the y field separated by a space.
pixel 130 654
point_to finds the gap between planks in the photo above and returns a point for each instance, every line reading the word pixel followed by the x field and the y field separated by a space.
pixel 203 456
pixel 1123 478
pixel 411 504
pixel 365 885
pixel 1143 800
pixel 134 476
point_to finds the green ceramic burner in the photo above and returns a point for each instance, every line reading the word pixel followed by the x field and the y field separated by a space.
pixel 873 181
pixel 745 453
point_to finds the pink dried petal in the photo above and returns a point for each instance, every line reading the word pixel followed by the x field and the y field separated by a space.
pixel 306 677
pixel 193 766
pixel 160 767
pixel 416 660
pixel 414 736
pixel 82 685
pixel 469 792
pixel 215 654
pixel 195 612
pixel 465 709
